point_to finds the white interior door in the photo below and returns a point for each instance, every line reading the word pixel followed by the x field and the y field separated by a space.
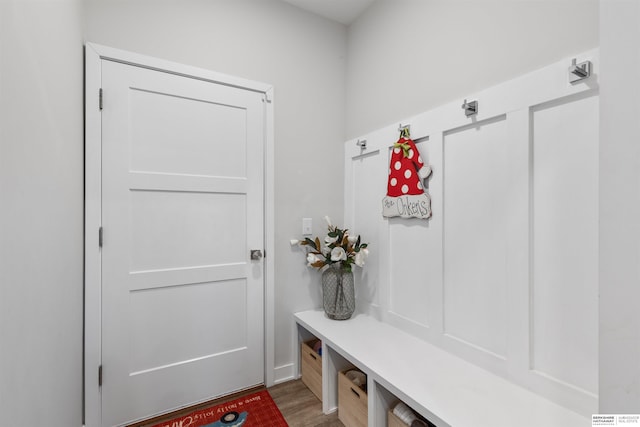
pixel 182 206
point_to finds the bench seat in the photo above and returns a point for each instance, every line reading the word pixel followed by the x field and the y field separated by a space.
pixel 442 387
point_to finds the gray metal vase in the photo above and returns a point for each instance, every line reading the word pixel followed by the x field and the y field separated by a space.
pixel 338 293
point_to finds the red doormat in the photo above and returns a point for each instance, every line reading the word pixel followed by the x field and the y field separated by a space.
pixel 254 410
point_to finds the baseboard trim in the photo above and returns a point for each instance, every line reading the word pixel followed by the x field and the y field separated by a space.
pixel 284 373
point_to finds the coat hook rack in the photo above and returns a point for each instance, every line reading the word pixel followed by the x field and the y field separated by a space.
pixel 470 108
pixel 579 71
pixel 362 143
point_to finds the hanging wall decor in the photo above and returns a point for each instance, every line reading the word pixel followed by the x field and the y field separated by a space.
pixel 406 196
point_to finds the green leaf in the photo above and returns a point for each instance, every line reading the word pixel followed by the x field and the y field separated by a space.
pixel 308 241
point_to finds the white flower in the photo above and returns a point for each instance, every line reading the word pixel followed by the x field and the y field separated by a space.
pixel 294 242
pixel 338 254
pixel 329 240
pixel 352 239
pixel 361 256
pixel 325 251
pixel 312 258
pixel 326 218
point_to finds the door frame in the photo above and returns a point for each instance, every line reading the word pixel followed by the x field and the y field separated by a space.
pixel 94 55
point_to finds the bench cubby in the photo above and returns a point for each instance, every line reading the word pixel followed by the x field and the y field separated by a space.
pixel 311 367
pixel 353 402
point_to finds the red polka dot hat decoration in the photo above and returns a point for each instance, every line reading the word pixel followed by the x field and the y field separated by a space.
pixel 406 195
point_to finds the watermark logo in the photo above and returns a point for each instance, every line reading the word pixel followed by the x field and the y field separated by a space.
pixel 615 420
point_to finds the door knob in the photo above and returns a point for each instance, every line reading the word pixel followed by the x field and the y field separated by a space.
pixel 256 254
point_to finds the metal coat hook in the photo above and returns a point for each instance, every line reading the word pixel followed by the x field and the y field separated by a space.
pixel 579 71
pixel 362 143
pixel 405 131
pixel 470 108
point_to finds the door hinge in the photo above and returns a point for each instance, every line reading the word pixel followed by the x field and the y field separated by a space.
pixel 100 99
pixel 100 376
pixel 100 237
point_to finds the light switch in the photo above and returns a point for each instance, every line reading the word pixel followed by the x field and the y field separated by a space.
pixel 307 226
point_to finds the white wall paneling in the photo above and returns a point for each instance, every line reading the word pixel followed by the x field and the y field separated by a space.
pixel 405 300
pixel 364 166
pixel 564 240
pixel 475 235
pixel 505 272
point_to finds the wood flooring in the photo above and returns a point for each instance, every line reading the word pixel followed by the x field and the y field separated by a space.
pixel 300 407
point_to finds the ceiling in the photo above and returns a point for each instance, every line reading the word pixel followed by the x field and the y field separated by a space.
pixel 342 11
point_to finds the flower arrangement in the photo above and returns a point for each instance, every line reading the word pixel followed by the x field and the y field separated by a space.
pixel 338 249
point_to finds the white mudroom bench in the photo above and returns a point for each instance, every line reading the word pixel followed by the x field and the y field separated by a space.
pixel 443 388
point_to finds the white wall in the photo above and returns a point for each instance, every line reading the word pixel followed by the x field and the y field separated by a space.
pixel 303 57
pixel 41 205
pixel 409 56
pixel 619 207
